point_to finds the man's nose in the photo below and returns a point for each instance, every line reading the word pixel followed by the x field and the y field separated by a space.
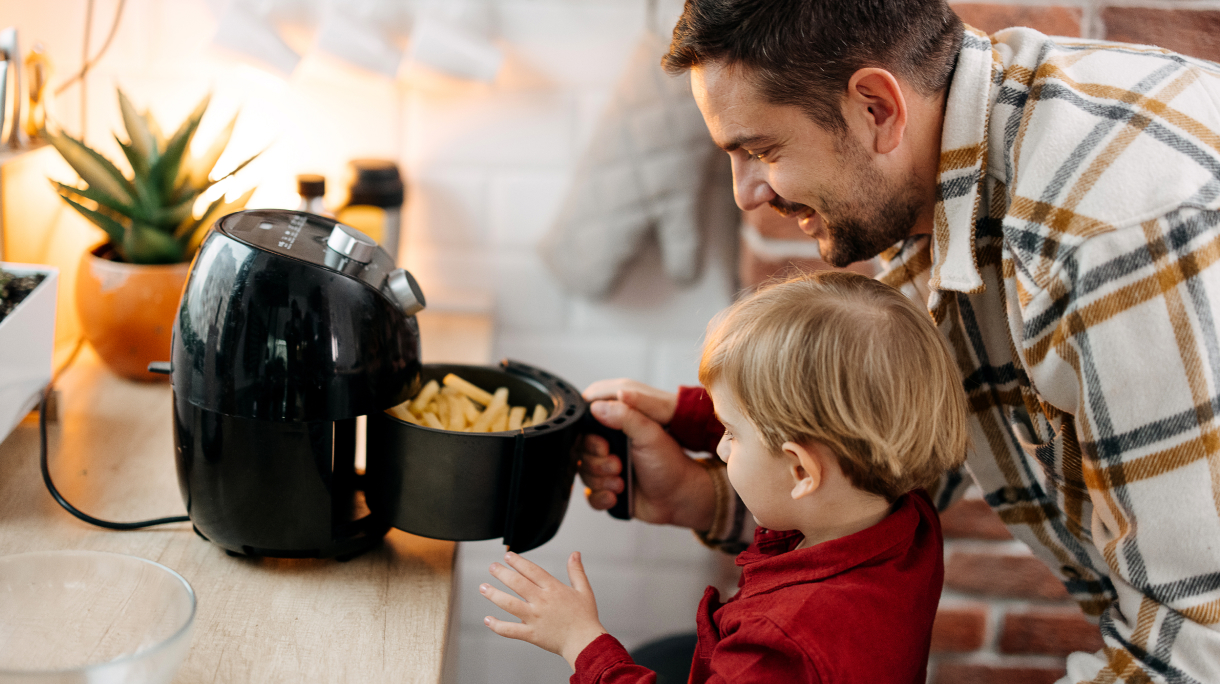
pixel 750 187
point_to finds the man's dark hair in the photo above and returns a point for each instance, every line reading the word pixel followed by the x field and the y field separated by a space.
pixel 803 52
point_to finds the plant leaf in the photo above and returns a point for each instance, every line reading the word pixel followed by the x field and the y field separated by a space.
pixel 146 244
pixel 99 172
pixel 139 165
pixel 146 197
pixel 142 139
pixel 173 216
pixel 240 166
pixel 201 166
pixel 116 231
pixel 101 198
pixel 190 225
pixel 164 174
pixel 192 238
pixel 155 128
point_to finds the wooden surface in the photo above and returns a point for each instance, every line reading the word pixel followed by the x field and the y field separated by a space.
pixel 383 616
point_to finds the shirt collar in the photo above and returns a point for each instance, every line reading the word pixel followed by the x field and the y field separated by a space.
pixel 963 162
pixel 771 563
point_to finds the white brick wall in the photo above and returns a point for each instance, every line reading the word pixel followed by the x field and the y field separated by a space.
pixel 487 167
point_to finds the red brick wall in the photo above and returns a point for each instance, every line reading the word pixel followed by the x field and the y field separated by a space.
pixel 1004 618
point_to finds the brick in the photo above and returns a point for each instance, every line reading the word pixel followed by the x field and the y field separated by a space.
pixel 1191 32
pixel 965 673
pixel 973 519
pixel 959 629
pixel 1049 19
pixel 1049 632
pixel 989 574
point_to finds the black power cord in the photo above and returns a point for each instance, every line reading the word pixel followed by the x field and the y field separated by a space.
pixel 46 477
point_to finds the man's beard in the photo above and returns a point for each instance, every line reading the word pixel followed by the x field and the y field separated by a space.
pixel 860 230
pixel 853 238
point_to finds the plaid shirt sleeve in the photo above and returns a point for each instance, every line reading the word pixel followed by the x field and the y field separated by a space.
pixel 1075 270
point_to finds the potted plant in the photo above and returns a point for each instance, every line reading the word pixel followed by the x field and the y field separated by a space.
pixel 128 287
pixel 27 338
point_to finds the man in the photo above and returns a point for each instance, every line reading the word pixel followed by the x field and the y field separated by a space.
pixel 1057 208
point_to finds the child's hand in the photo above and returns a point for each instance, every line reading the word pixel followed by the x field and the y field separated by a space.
pixel 554 616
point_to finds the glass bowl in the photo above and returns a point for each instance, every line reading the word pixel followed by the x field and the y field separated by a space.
pixel 90 616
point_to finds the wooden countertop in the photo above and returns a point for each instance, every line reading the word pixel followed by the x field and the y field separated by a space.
pixel 382 616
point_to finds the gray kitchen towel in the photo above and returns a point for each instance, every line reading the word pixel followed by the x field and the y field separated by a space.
pixel 642 171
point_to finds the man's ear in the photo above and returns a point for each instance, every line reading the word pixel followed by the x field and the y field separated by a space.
pixel 875 101
pixel 806 467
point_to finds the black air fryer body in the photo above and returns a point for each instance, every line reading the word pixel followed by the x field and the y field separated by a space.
pixel 290 327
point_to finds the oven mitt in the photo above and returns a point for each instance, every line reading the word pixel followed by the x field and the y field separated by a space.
pixel 643 170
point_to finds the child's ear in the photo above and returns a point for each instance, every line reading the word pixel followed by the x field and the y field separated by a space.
pixel 806 466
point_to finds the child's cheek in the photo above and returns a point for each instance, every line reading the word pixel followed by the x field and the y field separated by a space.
pixel 722 449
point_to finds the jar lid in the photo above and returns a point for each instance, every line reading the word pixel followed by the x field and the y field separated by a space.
pixel 375 182
pixel 311 185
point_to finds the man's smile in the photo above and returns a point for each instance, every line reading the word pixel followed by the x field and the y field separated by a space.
pixel 811 223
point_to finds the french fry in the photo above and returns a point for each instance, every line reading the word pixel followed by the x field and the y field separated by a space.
pixel 457 417
pixel 425 395
pixel 432 421
pixel 478 394
pixel 540 414
pixel 497 401
pixel 515 415
pixel 454 405
pixel 469 409
pixel 442 409
pixel 400 412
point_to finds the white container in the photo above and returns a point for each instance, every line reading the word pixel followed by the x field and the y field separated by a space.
pixel 27 340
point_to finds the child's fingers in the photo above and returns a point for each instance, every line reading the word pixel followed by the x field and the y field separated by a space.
pixel 512 630
pixel 532 571
pixel 515 581
pixel 505 600
pixel 577 576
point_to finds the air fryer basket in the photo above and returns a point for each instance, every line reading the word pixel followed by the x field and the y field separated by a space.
pixel 466 486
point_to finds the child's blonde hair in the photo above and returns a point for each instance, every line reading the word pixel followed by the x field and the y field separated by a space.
pixel 844 360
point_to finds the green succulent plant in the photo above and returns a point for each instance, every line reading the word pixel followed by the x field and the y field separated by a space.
pixel 149 217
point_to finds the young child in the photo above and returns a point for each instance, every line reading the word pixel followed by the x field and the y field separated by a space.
pixel 840 401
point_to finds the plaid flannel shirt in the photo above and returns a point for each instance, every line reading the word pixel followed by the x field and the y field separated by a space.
pixel 1073 269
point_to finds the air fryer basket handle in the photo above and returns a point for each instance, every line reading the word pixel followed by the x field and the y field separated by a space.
pixel 621 447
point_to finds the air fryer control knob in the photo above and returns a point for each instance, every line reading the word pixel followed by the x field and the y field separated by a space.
pixel 351 243
pixel 405 291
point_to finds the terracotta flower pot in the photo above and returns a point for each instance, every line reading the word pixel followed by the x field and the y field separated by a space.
pixel 127 310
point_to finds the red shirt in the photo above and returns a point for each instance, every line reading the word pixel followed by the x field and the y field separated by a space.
pixel 854 609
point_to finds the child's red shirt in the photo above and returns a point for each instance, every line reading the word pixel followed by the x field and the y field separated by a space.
pixel 854 609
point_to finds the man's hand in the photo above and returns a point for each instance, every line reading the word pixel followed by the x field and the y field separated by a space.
pixel 670 488
pixel 658 405
pixel 554 616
